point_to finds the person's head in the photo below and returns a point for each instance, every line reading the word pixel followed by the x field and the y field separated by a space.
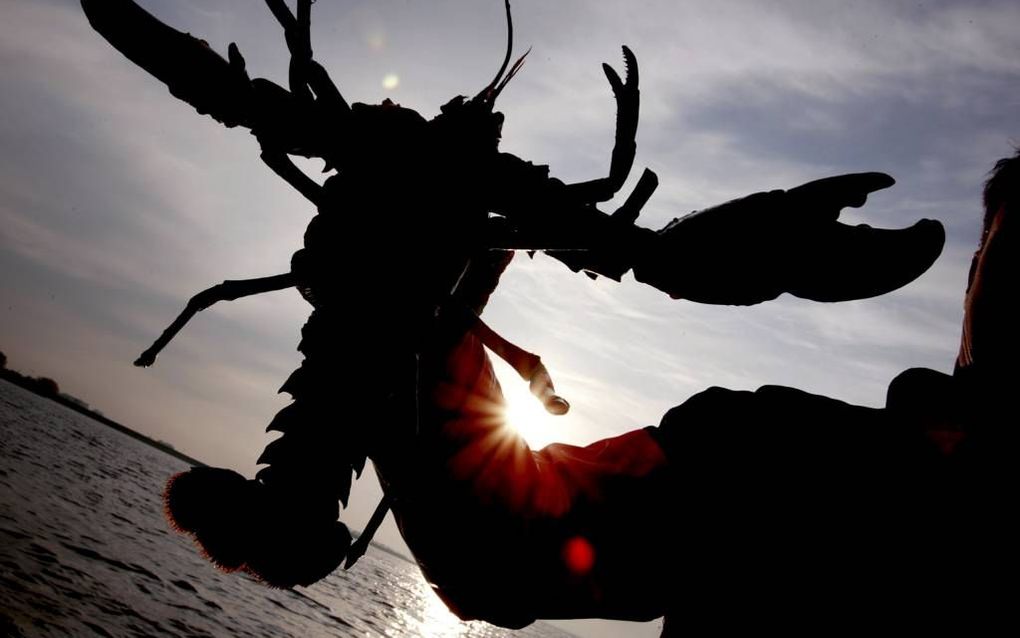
pixel 990 347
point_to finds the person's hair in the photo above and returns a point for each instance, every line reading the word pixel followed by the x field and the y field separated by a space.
pixel 1001 187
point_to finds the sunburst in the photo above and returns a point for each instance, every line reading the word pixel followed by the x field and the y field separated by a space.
pixel 524 413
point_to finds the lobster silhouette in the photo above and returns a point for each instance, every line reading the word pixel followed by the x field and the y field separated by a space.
pixel 396 368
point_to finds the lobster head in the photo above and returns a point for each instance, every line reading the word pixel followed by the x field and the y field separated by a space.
pixel 476 118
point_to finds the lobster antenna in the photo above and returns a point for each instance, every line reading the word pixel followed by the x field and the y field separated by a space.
pixel 487 94
pixel 509 76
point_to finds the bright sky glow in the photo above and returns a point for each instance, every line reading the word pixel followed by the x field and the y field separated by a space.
pixel 524 412
pixel 376 40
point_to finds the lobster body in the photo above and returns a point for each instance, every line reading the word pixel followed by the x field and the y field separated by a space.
pixel 365 331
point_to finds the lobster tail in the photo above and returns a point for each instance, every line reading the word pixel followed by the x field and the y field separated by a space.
pixel 282 527
pixel 310 467
pixel 213 506
pixel 245 525
pixel 286 554
pixel 318 451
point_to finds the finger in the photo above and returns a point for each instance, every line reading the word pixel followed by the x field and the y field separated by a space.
pixel 557 405
pixel 541 386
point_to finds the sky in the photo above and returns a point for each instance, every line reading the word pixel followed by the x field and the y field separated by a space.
pixel 118 202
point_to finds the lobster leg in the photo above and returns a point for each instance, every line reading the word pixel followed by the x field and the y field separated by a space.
pixel 310 84
pixel 360 546
pixel 285 168
pixel 295 29
pixel 297 33
pixel 227 291
pixel 629 211
pixel 326 92
pixel 305 73
pixel 612 252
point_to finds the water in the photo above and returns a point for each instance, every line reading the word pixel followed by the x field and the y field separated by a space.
pixel 85 551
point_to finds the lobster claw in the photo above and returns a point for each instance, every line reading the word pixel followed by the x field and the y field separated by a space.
pixel 753 249
pixel 628 101
pixel 190 68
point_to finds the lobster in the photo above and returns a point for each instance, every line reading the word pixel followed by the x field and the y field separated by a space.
pixel 504 533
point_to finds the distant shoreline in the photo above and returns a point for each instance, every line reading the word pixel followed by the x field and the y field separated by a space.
pixel 92 414
pixel 159 445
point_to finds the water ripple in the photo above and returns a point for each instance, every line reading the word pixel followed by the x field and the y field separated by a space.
pixel 84 551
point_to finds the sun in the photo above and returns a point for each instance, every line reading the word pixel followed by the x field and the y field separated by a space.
pixel 524 412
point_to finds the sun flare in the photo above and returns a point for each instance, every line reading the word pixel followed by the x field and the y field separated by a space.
pixel 524 412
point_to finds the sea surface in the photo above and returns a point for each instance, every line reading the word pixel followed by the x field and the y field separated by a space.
pixel 85 551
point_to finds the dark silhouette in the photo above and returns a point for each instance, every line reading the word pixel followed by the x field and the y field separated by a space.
pixel 826 514
pixel 676 519
pixel 47 386
pixel 43 386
